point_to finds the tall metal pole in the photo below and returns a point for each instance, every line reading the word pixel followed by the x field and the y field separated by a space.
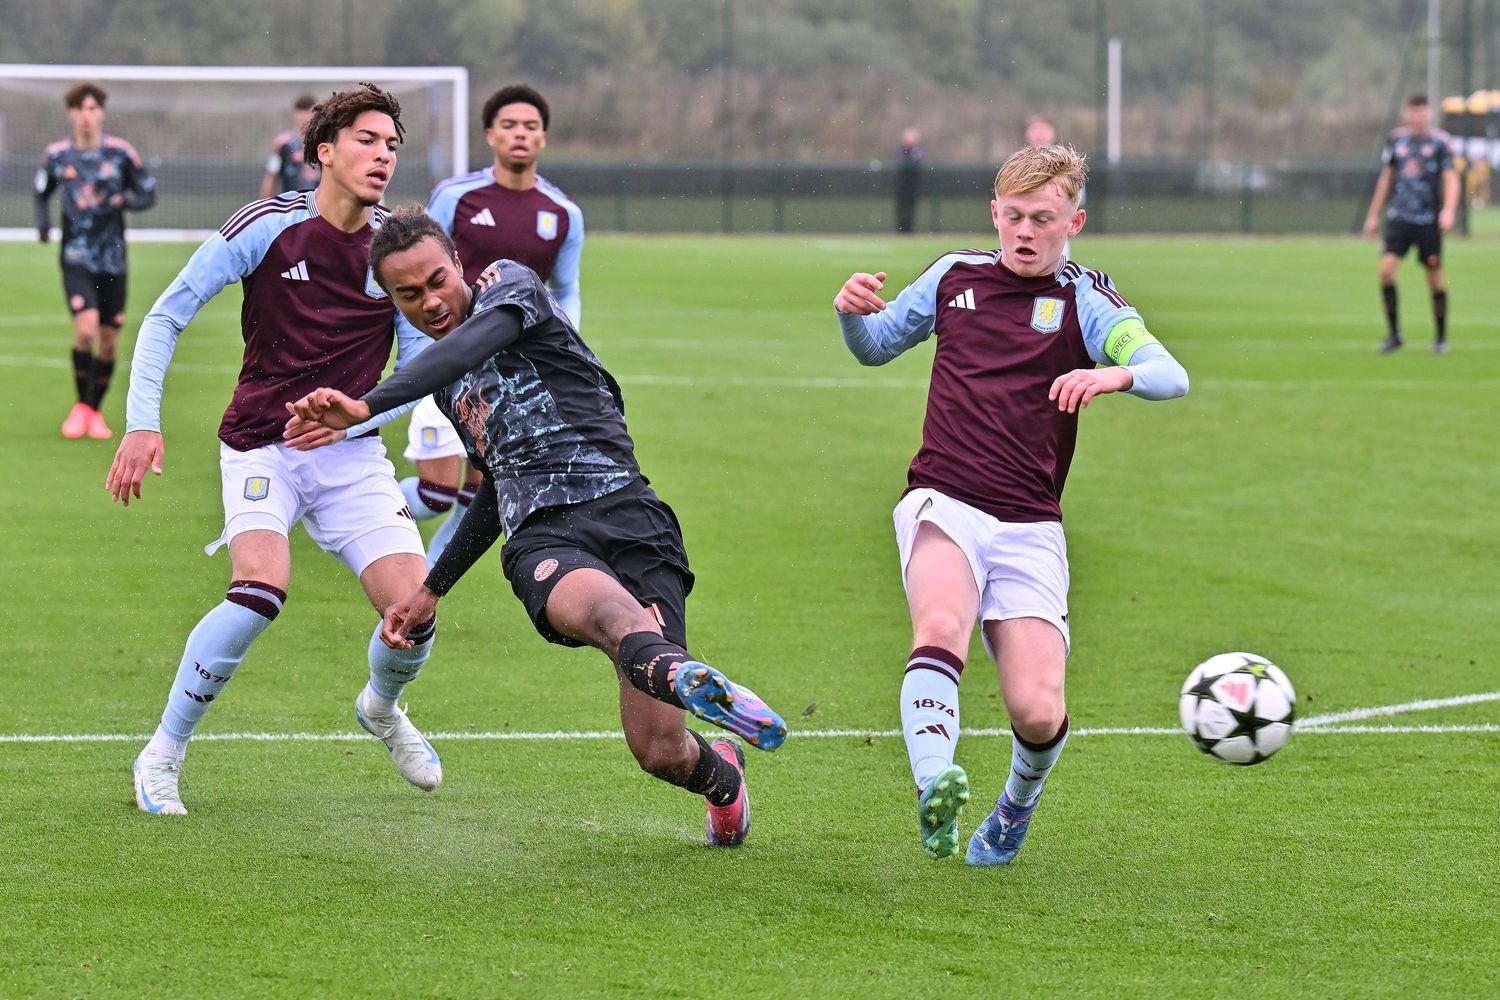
pixel 1466 62
pixel 1208 81
pixel 1101 75
pixel 726 114
pixel 1112 147
pixel 1434 52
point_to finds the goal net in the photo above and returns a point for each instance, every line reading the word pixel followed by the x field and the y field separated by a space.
pixel 206 132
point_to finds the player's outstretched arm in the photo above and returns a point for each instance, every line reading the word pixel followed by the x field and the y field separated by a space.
pixel 328 408
pixel 138 451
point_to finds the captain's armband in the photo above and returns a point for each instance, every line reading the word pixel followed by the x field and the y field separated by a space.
pixel 1125 338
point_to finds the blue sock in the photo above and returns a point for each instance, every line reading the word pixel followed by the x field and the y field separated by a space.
pixel 440 538
pixel 393 669
pixel 215 649
pixel 425 498
pixel 1030 764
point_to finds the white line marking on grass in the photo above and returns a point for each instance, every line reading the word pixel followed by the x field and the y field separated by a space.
pixel 1410 706
pixel 584 735
pixel 875 382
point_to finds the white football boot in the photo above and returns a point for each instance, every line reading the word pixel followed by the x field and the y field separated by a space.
pixel 410 751
pixel 156 785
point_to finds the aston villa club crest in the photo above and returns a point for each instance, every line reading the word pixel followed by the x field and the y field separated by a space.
pixel 372 287
pixel 1047 315
pixel 546 225
pixel 429 437
pixel 257 488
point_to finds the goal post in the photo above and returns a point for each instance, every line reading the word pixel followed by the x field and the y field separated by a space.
pixel 207 131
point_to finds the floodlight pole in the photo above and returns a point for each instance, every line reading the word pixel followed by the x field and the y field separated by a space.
pixel 1113 144
pixel 1434 52
pixel 727 114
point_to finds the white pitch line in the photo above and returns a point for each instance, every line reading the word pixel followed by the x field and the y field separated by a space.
pixel 1410 706
pixel 867 382
pixel 587 735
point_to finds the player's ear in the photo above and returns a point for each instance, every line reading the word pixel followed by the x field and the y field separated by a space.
pixel 1076 226
pixel 328 147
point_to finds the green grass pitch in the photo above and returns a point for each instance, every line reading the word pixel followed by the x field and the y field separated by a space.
pixel 1313 502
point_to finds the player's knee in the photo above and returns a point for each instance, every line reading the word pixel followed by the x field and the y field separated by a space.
pixel 1039 716
pixel 616 617
pixel 663 757
pixel 942 627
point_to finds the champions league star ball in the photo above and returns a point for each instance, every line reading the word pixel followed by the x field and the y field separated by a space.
pixel 1238 707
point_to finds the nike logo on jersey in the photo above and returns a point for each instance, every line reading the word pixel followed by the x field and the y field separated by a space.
pixel 484 218
pixel 963 300
pixel 298 272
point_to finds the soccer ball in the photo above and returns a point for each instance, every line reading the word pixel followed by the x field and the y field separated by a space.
pixel 1238 707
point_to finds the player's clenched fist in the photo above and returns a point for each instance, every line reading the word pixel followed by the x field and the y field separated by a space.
pixel 858 294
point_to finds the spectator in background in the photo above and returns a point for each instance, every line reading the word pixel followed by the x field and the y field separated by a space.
pixel 1040 132
pixel 288 169
pixel 908 179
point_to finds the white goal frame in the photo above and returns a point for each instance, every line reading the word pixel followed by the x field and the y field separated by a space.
pixel 456 77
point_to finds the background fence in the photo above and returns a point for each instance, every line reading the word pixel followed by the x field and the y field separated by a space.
pixel 821 198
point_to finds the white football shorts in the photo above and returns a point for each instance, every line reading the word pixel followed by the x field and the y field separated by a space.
pixel 345 495
pixel 430 434
pixel 1020 568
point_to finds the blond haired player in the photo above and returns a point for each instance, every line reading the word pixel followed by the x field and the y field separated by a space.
pixel 1021 333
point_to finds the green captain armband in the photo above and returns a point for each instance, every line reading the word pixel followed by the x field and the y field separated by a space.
pixel 1125 338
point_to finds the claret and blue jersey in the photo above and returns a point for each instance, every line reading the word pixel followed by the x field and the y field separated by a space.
pixel 991 437
pixel 313 316
pixel 540 227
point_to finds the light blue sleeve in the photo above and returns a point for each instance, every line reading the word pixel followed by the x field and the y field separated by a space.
pixel 1155 374
pixel 409 343
pixel 213 265
pixel 1098 312
pixel 444 203
pixel 902 324
pixel 564 279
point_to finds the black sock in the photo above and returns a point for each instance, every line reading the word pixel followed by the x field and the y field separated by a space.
pixel 1440 313
pixel 713 777
pixel 99 377
pixel 1388 295
pixel 83 366
pixel 650 663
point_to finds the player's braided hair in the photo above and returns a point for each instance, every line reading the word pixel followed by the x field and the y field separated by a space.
pixel 338 111
pixel 517 93
pixel 403 229
pixel 82 91
pixel 1034 167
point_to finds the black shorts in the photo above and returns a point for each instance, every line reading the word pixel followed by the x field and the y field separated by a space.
pixel 1402 236
pixel 87 289
pixel 630 534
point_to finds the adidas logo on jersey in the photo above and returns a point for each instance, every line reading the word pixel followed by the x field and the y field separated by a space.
pixel 963 300
pixel 484 218
pixel 298 272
